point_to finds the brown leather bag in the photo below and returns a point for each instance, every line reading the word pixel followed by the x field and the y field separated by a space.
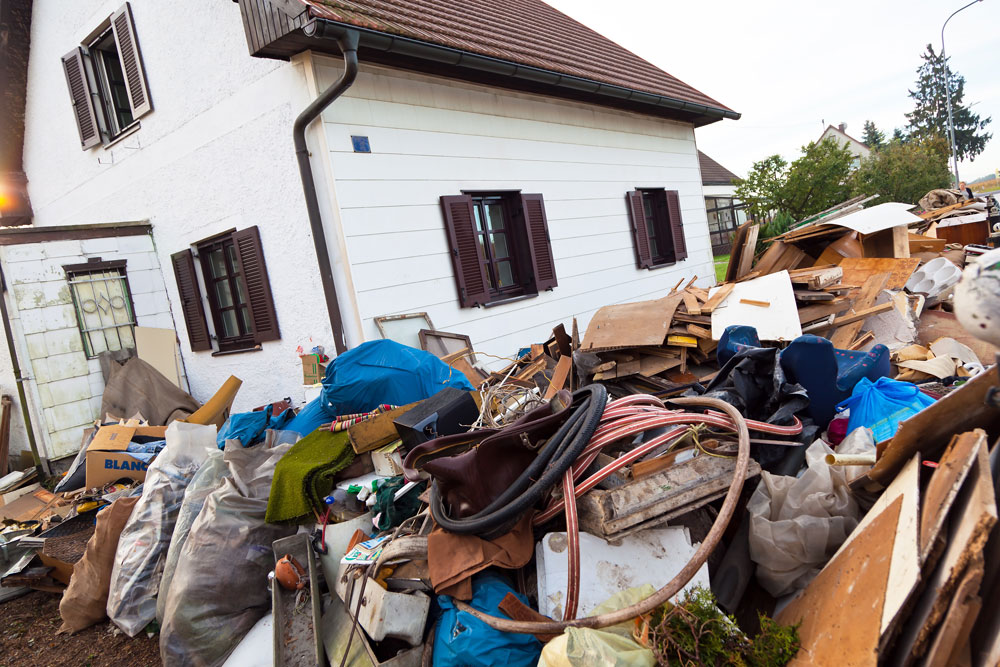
pixel 472 469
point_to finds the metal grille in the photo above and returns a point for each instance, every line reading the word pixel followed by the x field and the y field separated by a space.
pixel 104 310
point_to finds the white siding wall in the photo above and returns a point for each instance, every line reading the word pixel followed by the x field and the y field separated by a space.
pixel 215 153
pixel 433 137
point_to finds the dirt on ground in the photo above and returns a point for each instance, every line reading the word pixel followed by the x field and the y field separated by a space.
pixel 28 638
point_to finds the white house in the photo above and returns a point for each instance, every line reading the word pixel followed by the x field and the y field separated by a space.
pixel 725 212
pixel 839 134
pixel 498 169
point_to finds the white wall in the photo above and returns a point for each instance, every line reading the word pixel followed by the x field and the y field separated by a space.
pixel 719 190
pixel 215 153
pixel 433 137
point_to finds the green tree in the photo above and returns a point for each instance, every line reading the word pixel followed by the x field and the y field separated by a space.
pixel 872 137
pixel 904 171
pixel 816 180
pixel 930 115
pixel 759 190
pixel 897 135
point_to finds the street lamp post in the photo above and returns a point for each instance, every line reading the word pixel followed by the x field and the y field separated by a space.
pixel 947 89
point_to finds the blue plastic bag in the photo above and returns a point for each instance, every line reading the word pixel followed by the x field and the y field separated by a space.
pixel 882 404
pixel 462 640
pixel 249 427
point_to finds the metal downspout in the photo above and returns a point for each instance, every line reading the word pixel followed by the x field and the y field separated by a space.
pixel 18 380
pixel 347 40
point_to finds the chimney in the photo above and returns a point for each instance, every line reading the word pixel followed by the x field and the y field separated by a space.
pixel 843 127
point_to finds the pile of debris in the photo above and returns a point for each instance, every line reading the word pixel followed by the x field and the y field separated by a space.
pixel 809 440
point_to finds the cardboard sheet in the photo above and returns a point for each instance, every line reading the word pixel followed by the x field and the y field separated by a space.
pixel 779 320
pixel 158 348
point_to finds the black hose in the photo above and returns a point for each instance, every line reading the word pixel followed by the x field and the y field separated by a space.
pixel 554 458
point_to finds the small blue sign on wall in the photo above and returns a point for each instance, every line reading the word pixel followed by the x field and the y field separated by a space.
pixel 360 144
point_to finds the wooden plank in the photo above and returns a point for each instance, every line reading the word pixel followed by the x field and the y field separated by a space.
pixel 537 350
pixel 682 342
pixel 660 352
pixel 677 286
pixel 563 341
pixel 717 298
pixel 630 324
pixel 858 269
pixel 692 319
pixel 747 251
pixel 376 432
pixel 813 313
pixel 861 341
pixel 653 365
pixel 701 294
pixel 691 303
pixel 779 256
pixel 606 366
pixel 816 277
pixel 732 269
pixel 972 516
pixel 699 332
pixel 840 611
pixel 812 296
pixel 691 282
pixel 900 242
pixel 958 619
pixel 559 377
pixel 863 314
pixel 942 489
pixel 870 290
pixel 938 212
pixel 684 360
pixel 755 302
pixel 475 377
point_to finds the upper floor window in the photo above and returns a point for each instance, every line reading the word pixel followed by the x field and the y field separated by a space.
pixel 657 228
pixel 500 246
pixel 107 84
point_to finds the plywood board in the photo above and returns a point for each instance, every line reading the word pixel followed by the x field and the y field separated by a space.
pixel 779 256
pixel 872 287
pixel 840 610
pixel 859 269
pixel 953 468
pixel 780 321
pixel 653 365
pixel 973 515
pixel 158 348
pixel 958 620
pixel 630 324
pixel 930 430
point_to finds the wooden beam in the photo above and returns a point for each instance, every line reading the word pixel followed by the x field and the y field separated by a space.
pixel 691 303
pixel 717 298
pixel 863 314
pixel 754 302
pixel 559 376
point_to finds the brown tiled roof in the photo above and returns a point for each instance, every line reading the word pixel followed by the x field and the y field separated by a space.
pixel 525 32
pixel 713 173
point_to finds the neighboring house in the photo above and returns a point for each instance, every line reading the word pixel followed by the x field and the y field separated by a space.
pixel 840 135
pixel 725 212
pixel 498 180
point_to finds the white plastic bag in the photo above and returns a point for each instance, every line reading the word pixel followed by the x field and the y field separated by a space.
pixel 797 524
pixel 142 547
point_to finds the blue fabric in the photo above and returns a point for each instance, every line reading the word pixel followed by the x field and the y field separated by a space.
pixel 310 417
pixel 735 338
pixel 829 375
pixel 882 404
pixel 462 640
pixel 151 447
pixel 249 427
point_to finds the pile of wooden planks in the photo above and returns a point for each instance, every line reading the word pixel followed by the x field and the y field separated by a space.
pixel 648 345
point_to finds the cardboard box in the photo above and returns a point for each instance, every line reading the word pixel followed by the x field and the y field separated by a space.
pixel 312 370
pixel 107 460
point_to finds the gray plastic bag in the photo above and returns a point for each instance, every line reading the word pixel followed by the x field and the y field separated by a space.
pixel 142 547
pixel 219 588
pixel 207 479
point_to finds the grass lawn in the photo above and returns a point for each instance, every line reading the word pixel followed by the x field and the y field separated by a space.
pixel 721 262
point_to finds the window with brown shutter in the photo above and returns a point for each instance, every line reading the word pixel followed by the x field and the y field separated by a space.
pixel 237 288
pixel 500 247
pixel 657 230
pixel 108 70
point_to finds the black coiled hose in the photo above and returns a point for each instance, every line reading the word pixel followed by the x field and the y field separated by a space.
pixel 554 458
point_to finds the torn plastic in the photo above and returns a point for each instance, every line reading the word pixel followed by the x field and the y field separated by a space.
pixel 797 524
pixel 142 547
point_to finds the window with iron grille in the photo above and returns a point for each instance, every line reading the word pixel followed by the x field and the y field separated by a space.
pixel 103 305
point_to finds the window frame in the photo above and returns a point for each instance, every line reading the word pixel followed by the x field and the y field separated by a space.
pixel 516 237
pixel 720 233
pixel 112 128
pixel 93 267
pixel 246 340
pixel 658 226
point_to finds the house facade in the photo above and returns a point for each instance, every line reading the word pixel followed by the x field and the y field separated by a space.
pixel 725 212
pixel 491 189
pixel 839 134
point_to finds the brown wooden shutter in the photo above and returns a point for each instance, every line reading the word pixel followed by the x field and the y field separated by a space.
pixel 676 225
pixel 640 234
pixel 537 226
pixel 470 274
pixel 83 101
pixel 194 312
pixel 128 51
pixel 250 256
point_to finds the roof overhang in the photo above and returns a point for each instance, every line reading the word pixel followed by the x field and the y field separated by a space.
pixel 315 34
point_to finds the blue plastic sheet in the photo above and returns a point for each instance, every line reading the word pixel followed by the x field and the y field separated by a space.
pixel 375 373
pixel 462 640
pixel 882 404
pixel 249 427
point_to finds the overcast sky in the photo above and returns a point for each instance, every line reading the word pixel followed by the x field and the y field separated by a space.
pixel 791 67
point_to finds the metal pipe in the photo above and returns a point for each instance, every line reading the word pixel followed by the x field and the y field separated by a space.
pixel 947 89
pixel 347 40
pixel 18 380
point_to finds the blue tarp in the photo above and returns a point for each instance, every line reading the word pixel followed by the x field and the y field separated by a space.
pixel 376 373
pixel 249 427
